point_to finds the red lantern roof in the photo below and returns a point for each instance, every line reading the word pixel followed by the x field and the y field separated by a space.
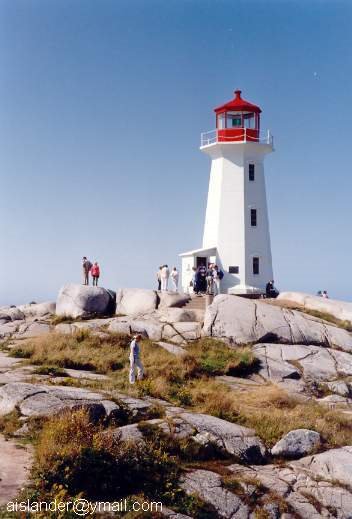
pixel 238 104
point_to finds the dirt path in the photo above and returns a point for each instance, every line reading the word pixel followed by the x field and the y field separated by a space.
pixel 15 463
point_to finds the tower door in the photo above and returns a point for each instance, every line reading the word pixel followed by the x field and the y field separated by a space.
pixel 201 261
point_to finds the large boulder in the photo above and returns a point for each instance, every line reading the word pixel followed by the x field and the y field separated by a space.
pixel 182 332
pixel 37 310
pixel 296 443
pixel 136 302
pixel 10 314
pixel 244 321
pixel 172 299
pixel 341 310
pixel 83 301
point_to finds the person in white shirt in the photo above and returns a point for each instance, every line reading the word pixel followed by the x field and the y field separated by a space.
pixel 174 279
pixel 325 295
pixel 217 279
pixel 165 274
pixel 135 360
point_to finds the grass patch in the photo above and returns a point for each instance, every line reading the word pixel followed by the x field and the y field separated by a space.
pixel 68 319
pixel 52 371
pixel 81 350
pixel 10 423
pixel 188 381
pixel 217 358
pixel 271 412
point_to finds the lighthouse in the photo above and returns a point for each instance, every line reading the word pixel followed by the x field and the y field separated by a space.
pixel 236 230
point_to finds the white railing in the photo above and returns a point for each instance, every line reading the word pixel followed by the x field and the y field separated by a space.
pixel 211 137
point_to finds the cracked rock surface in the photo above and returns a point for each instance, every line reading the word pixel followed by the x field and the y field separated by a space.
pixel 315 486
pixel 207 485
pixel 244 321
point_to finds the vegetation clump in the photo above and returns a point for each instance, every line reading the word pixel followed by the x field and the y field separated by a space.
pixel 76 458
pixel 80 456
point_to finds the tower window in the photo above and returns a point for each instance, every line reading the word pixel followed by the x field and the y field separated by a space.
pixel 253 217
pixel 255 265
pixel 251 172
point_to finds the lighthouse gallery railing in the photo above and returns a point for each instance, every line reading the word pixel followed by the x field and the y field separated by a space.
pixel 212 137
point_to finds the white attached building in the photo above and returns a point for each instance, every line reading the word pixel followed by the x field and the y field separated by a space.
pixel 236 231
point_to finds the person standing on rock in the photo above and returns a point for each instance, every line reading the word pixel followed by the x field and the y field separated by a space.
pixel 86 265
pixel 95 273
pixel 202 279
pixel 165 274
pixel 158 278
pixel 135 360
pixel 217 276
pixel 210 278
pixel 193 282
pixel 174 279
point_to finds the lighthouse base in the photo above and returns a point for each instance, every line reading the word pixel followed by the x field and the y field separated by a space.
pixel 245 290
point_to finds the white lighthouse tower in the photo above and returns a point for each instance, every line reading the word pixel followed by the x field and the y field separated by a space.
pixel 236 231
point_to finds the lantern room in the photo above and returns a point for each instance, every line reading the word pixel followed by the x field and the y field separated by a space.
pixel 237 120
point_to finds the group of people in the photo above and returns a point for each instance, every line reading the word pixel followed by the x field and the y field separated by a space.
pixel 164 275
pixel 323 294
pixel 207 280
pixel 92 269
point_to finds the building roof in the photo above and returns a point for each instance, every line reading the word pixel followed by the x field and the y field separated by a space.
pixel 208 251
pixel 238 104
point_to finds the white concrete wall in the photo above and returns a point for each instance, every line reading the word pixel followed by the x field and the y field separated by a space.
pixel 187 273
pixel 227 224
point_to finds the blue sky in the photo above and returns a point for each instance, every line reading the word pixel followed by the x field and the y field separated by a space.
pixel 102 106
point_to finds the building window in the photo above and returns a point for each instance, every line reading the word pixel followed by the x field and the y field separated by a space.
pixel 234 270
pixel 251 172
pixel 253 218
pixel 255 265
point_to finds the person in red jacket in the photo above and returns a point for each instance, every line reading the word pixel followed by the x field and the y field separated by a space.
pixel 95 273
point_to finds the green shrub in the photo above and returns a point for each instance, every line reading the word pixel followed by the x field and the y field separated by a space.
pixel 84 459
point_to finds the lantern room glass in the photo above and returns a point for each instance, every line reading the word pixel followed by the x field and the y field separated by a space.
pixel 227 120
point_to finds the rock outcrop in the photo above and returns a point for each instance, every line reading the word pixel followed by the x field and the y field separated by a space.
pixel 38 310
pixel 84 301
pixel 207 485
pixel 341 310
pixel 313 363
pixel 41 400
pixel 312 487
pixel 244 321
pixel 136 302
pixel 207 431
